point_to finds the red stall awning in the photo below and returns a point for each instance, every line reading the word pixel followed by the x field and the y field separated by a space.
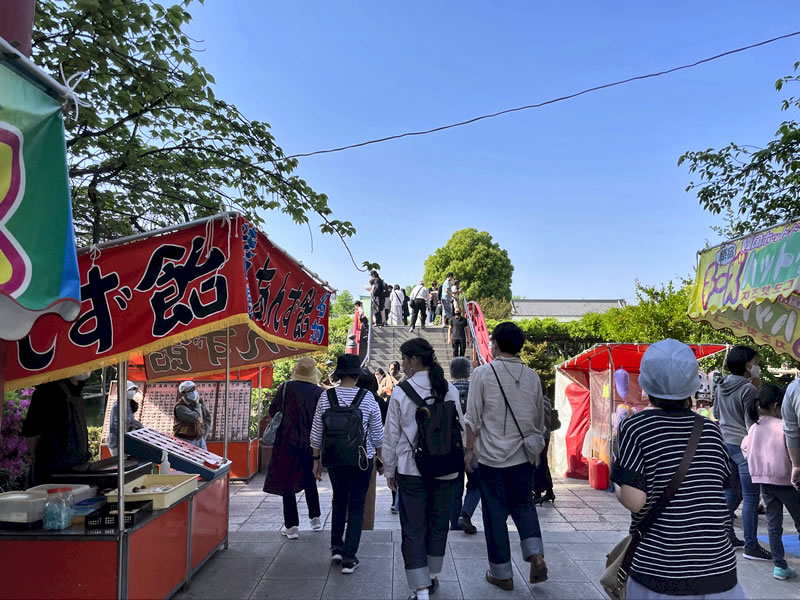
pixel 170 296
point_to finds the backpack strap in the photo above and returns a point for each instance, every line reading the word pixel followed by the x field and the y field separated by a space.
pixel 359 397
pixel 412 394
pixel 333 399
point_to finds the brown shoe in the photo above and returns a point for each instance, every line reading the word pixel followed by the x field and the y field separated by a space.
pixel 503 584
pixel 538 569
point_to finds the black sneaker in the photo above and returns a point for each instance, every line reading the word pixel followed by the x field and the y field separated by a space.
pixel 336 555
pixel 349 565
pixel 757 553
pixel 465 524
pixel 433 586
pixel 737 543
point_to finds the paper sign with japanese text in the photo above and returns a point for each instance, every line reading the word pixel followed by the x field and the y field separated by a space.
pixel 146 295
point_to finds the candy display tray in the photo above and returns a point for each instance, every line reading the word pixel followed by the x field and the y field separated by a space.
pixel 149 445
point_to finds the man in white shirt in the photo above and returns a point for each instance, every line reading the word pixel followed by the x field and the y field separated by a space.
pixel 505 408
pixel 447 299
pixel 419 301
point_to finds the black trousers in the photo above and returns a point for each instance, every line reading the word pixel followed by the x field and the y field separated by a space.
pixel 379 302
pixel 290 516
pixel 350 485
pixel 542 481
pixel 424 511
pixel 458 347
pixel 418 306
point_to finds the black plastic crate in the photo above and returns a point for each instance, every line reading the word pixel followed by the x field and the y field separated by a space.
pixel 134 512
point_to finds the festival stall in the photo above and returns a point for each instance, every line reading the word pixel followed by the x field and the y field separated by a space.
pixel 750 286
pixel 158 295
pixel 609 374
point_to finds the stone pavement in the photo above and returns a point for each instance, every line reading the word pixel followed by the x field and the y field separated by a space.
pixel 578 531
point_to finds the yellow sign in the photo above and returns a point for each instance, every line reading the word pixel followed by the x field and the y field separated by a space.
pixel 750 287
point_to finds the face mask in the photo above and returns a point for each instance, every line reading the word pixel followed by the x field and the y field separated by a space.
pixel 83 376
pixel 755 371
pixel 131 394
pixel 192 396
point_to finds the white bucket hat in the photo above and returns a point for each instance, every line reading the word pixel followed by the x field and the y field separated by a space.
pixel 669 371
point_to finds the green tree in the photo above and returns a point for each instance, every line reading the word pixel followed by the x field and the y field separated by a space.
pixel 154 145
pixel 497 309
pixel 343 305
pixel 753 187
pixel 484 268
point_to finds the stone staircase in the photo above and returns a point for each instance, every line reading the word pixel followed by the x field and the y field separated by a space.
pixel 386 342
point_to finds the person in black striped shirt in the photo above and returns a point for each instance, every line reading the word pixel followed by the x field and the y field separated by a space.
pixel 686 553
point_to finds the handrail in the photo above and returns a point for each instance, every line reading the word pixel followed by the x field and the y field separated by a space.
pixel 480 333
pixel 474 312
pixel 369 333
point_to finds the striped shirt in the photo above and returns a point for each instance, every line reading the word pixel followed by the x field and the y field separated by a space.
pixel 370 411
pixel 686 550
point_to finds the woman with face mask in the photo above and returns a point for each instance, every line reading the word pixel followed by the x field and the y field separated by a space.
pixel 192 418
pixel 132 423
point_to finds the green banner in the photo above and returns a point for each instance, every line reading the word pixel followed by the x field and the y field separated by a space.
pixel 38 263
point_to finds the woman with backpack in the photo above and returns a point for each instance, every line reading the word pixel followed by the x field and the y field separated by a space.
pixel 346 436
pixel 423 455
pixel 290 469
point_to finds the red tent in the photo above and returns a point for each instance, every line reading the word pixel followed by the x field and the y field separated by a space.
pixel 593 370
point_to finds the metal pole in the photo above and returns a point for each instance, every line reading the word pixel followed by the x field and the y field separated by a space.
pixel 260 400
pixel 227 390
pixel 122 417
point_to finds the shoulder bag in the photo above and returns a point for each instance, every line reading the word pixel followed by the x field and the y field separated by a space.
pixel 618 562
pixel 268 439
pixel 533 444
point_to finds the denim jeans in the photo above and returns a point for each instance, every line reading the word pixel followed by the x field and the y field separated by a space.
pixel 471 499
pixel 775 498
pixel 750 493
pixel 350 485
pixel 424 504
pixel 507 491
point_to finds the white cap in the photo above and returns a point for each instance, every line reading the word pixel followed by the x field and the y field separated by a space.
pixel 132 386
pixel 185 386
pixel 669 371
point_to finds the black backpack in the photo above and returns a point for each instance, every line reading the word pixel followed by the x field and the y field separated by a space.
pixel 462 397
pixel 343 437
pixel 438 449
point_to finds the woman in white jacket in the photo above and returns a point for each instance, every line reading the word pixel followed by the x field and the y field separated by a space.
pixel 396 307
pixel 424 503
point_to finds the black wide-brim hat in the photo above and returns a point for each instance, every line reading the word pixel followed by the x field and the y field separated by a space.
pixel 348 365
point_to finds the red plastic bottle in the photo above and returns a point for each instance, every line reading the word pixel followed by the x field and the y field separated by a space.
pixel 598 474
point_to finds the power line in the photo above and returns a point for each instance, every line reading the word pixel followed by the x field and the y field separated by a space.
pixel 546 102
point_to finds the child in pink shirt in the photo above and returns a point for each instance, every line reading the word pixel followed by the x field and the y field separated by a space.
pixel 769 464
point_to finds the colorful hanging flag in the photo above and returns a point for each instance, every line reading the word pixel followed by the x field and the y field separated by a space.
pixel 38 262
pixel 750 286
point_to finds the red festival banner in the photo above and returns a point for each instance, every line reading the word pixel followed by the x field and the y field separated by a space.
pixel 155 293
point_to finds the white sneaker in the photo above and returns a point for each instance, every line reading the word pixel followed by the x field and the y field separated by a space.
pixel 290 532
pixel 316 524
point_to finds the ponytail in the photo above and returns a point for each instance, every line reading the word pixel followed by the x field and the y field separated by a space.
pixel 421 348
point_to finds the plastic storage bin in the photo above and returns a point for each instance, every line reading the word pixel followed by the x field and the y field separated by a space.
pixel 163 490
pixel 22 509
pixel 598 474
pixel 80 492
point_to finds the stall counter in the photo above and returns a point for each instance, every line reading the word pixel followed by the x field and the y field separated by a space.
pixel 162 552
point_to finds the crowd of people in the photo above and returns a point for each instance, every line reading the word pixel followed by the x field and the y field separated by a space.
pixel 445 447
pixel 427 437
pixel 392 306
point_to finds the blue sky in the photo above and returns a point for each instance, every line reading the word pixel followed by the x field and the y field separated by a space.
pixel 585 195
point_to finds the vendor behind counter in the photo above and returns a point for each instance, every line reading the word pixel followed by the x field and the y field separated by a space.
pixel 55 428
